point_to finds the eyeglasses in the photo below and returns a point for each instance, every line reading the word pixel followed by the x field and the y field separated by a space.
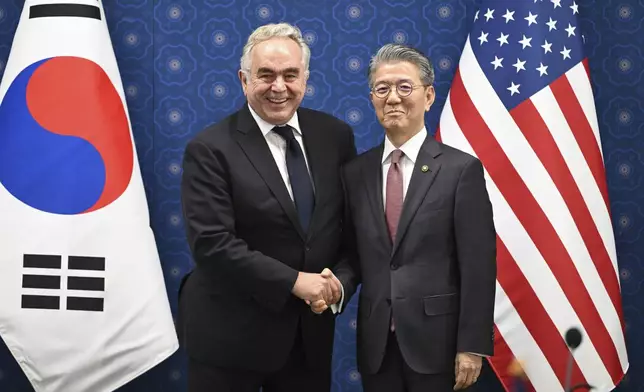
pixel 403 89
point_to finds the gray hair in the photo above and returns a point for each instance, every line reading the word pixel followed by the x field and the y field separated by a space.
pixel 266 32
pixel 393 53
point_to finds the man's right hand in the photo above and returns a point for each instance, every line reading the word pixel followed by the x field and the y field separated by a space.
pixel 318 307
pixel 312 287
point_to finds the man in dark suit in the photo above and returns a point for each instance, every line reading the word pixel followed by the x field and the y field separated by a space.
pixel 426 243
pixel 263 203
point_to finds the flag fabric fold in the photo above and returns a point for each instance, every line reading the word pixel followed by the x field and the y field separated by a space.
pixel 84 304
pixel 521 101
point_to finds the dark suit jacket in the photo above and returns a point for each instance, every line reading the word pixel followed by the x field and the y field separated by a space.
pixel 236 309
pixel 438 278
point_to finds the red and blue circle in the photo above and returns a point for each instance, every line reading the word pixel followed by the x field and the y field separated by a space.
pixel 65 144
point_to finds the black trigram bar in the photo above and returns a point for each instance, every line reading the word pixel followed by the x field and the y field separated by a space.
pixel 41 261
pixel 86 263
pixel 40 302
pixel 85 283
pixel 77 10
pixel 40 282
pixel 86 304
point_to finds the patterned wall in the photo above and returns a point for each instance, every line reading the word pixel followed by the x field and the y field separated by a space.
pixel 178 60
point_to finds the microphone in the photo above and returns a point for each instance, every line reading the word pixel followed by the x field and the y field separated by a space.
pixel 573 340
pixel 573 337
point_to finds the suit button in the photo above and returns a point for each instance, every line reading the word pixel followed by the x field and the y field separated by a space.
pixel 394 266
pixel 308 248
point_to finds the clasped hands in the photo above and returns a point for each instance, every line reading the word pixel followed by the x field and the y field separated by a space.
pixel 319 291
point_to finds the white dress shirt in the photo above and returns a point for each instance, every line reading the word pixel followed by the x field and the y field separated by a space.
pixel 277 145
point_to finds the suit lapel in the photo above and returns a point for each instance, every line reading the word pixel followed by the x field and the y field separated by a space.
pixel 419 184
pixel 254 144
pixel 372 174
pixel 314 143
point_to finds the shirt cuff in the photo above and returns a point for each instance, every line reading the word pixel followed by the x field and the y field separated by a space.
pixel 479 355
pixel 337 308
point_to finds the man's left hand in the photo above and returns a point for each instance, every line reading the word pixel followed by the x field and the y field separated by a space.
pixel 467 368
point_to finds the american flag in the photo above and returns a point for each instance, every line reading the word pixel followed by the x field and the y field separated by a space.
pixel 521 101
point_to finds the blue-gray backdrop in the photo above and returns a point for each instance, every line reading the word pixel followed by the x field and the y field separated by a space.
pixel 179 59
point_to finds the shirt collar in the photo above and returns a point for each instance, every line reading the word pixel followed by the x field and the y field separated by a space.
pixel 411 148
pixel 266 127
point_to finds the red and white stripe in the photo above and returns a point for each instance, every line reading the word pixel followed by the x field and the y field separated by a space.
pixel 557 265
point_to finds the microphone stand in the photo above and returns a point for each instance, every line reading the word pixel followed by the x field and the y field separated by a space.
pixel 573 340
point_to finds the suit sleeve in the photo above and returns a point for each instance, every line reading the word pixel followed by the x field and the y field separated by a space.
pixel 210 225
pixel 347 270
pixel 476 251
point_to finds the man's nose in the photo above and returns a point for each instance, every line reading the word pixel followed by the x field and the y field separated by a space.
pixel 278 84
pixel 393 97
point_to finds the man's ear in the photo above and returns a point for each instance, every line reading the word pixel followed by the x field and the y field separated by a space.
pixel 430 97
pixel 243 78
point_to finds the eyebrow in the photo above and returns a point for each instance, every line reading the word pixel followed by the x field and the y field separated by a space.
pixel 398 81
pixel 272 71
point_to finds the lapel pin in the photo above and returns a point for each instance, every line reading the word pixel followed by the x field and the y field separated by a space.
pixel 425 168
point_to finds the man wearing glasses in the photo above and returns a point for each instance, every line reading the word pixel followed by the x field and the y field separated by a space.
pixel 426 243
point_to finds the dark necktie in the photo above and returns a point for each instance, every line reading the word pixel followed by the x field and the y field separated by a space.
pixel 394 194
pixel 298 176
pixel 394 202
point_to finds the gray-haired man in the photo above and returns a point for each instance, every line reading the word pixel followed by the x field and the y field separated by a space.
pixel 425 239
pixel 263 203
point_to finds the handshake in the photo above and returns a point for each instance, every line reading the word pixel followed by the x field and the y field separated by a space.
pixel 319 291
